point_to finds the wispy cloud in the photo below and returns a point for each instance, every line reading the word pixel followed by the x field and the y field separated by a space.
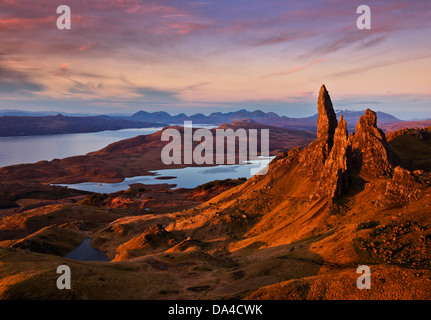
pixel 64 71
pixel 197 85
pixel 85 47
pixel 293 70
pixel 175 52
pixel 12 81
pixel 149 94
pixel 377 65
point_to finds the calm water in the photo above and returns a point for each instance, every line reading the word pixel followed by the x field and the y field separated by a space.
pixel 184 178
pixel 29 149
pixel 85 252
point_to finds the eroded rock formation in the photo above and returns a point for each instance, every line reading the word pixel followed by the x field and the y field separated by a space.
pixel 402 188
pixel 335 156
pixel 327 120
pixel 371 156
pixel 334 178
pixel 318 151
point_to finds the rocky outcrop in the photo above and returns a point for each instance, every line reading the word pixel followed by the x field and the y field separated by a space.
pixel 420 133
pixel 370 156
pixel 335 157
pixel 327 120
pixel 404 187
pixel 334 179
pixel 313 159
pixel 155 237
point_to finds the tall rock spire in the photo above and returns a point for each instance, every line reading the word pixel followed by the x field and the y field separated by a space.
pixel 327 120
pixel 334 179
pixel 318 151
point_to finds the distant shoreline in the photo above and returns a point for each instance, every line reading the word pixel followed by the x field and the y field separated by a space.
pixel 17 126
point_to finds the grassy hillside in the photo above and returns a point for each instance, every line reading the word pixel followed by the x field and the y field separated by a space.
pixel 412 147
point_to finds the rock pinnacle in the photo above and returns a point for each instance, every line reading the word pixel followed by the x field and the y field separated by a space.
pixel 327 120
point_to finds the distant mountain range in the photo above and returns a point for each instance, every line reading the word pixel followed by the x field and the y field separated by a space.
pixel 16 122
pixel 22 113
pixel 269 118
pixel 59 124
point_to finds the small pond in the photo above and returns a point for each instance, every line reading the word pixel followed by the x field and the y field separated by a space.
pixel 85 252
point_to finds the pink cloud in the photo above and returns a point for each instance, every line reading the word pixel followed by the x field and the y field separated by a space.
pixel 64 71
pixel 184 27
pixel 23 23
pixel 85 47
pixel 294 70
pixel 198 85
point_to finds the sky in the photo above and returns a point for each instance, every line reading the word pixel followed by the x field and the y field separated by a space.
pixel 122 56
